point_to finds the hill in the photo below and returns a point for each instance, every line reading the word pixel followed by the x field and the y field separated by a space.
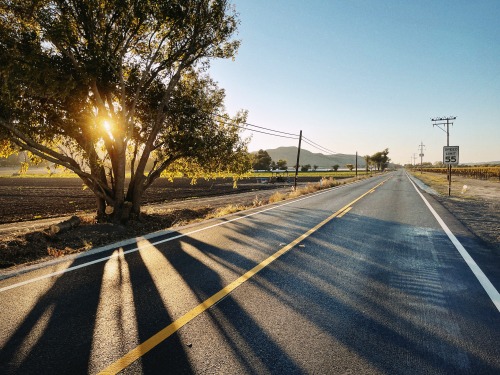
pixel 307 157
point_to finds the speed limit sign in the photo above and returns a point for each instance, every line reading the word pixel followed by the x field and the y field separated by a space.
pixel 450 155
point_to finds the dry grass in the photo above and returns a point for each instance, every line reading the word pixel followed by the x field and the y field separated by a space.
pixel 277 197
pixel 226 210
pixel 257 202
pixel 438 182
pixel 461 187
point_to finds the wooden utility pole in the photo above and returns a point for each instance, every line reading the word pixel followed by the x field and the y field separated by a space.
pixel 421 147
pixel 356 164
pixel 440 121
pixel 297 164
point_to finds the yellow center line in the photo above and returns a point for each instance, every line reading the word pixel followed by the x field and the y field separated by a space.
pixel 345 211
pixel 166 332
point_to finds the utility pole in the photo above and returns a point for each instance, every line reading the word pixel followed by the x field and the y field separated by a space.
pixel 297 164
pixel 356 164
pixel 441 121
pixel 421 147
pixel 414 158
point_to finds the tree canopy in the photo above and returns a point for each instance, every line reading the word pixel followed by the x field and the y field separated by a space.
pixel 105 86
pixel 380 159
pixel 261 161
pixel 305 168
pixel 281 164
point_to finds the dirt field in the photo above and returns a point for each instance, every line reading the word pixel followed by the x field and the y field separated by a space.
pixel 476 203
pixel 24 199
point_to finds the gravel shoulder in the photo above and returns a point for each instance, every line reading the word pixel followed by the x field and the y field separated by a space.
pixel 475 203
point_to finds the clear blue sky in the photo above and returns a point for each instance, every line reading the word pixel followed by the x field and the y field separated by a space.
pixel 365 75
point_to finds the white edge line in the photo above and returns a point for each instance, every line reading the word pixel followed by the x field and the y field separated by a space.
pixel 482 278
pixel 148 236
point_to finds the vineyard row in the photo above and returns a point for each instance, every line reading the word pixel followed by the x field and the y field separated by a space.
pixel 480 173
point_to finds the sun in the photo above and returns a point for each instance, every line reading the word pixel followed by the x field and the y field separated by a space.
pixel 107 126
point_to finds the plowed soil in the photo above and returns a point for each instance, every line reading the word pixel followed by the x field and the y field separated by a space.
pixel 23 199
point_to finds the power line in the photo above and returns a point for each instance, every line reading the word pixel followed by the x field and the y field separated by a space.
pixel 276 135
pixel 260 127
pixel 246 125
pixel 260 131
pixel 227 118
pixel 317 146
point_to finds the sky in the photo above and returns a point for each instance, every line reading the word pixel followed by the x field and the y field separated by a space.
pixel 365 75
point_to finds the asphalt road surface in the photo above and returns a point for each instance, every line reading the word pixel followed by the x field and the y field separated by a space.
pixel 361 279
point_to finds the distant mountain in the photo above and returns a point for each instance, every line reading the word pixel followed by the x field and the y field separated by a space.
pixel 307 157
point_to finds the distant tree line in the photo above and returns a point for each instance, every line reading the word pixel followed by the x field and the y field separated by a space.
pixel 262 161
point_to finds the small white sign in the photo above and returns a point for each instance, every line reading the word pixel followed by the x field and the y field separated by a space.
pixel 450 155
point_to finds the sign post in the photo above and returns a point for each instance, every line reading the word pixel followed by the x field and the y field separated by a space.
pixel 450 157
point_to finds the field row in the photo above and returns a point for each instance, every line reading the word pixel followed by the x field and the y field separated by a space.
pixel 480 173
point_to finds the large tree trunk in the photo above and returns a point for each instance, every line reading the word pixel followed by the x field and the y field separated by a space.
pixel 134 195
pixel 119 183
pixel 101 209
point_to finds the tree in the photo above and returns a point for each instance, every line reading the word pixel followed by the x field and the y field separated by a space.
pixel 261 161
pixel 315 167
pixel 282 164
pixel 380 159
pixel 349 166
pixel 305 168
pixel 367 162
pixel 102 87
pixel 335 167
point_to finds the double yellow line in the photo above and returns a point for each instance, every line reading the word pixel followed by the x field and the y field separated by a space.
pixel 166 332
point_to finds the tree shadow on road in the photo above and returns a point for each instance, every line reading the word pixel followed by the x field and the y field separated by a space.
pixel 41 344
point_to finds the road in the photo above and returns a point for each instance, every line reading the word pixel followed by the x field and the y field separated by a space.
pixel 360 279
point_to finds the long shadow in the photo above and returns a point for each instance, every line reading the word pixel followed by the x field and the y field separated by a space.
pixel 152 315
pixel 67 322
pixel 204 282
pixel 65 344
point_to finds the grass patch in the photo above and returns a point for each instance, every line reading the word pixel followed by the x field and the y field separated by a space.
pixel 277 197
pixel 437 181
pixel 324 183
pixel 226 210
